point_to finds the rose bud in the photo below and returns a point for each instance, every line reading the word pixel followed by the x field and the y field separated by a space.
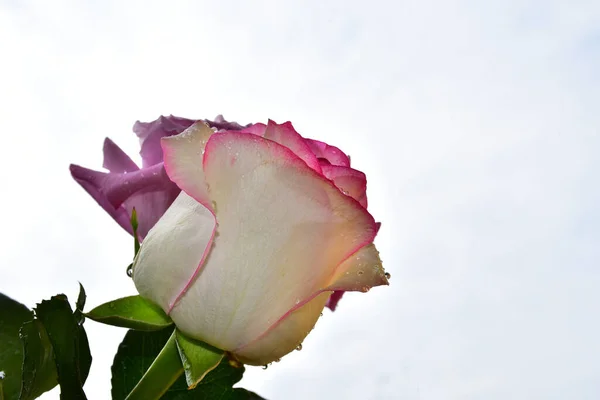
pixel 126 186
pixel 267 226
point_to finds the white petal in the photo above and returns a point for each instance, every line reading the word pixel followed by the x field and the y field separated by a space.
pixel 173 251
pixel 183 155
pixel 282 231
pixel 284 336
pixel 359 272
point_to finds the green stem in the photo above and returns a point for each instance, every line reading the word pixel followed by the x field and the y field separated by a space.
pixel 163 372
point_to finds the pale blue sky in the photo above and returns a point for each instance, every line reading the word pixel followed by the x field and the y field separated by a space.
pixel 477 124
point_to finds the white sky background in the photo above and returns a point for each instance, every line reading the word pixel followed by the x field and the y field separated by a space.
pixel 477 124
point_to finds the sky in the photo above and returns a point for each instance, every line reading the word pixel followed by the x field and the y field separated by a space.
pixel 476 123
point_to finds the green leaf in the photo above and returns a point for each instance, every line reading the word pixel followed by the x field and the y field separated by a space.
pixel 137 352
pixel 133 312
pixel 198 358
pixel 218 384
pixel 81 298
pixel 85 356
pixel 39 370
pixel 70 344
pixel 12 315
pixel 80 305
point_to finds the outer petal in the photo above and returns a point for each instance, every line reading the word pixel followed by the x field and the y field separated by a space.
pixel 350 181
pixel 173 250
pixel 257 129
pixel 150 134
pixel 359 272
pixel 221 123
pixel 183 160
pixel 334 299
pixel 93 182
pixel 285 335
pixel 286 135
pixel 150 191
pixel 115 159
pixel 282 231
pixel 332 154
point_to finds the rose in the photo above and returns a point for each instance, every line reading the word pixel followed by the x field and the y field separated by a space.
pixel 149 190
pixel 267 226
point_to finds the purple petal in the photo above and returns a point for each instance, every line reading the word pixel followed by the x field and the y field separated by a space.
pixel 221 124
pixel 126 186
pixel 334 299
pixel 150 134
pixel 115 159
pixel 149 190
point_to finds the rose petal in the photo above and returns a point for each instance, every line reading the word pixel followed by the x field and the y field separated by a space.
pixel 221 123
pixel 359 272
pixel 150 134
pixel 183 161
pixel 286 135
pixel 334 299
pixel 350 181
pixel 150 191
pixel 115 159
pixel 257 129
pixel 330 153
pixel 282 231
pixel 92 182
pixel 285 335
pixel 174 249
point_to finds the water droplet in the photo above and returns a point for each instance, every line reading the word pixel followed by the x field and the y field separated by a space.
pixel 364 289
pixel 265 366
pixel 279 359
pixel 388 275
pixel 299 347
pixel 297 301
pixel 130 271
pixel 360 273
pixel 321 314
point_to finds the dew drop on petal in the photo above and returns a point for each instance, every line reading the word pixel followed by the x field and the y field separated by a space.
pixel 388 275
pixel 364 289
pixel 299 347
pixel 279 359
pixel 265 366
pixel 360 273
